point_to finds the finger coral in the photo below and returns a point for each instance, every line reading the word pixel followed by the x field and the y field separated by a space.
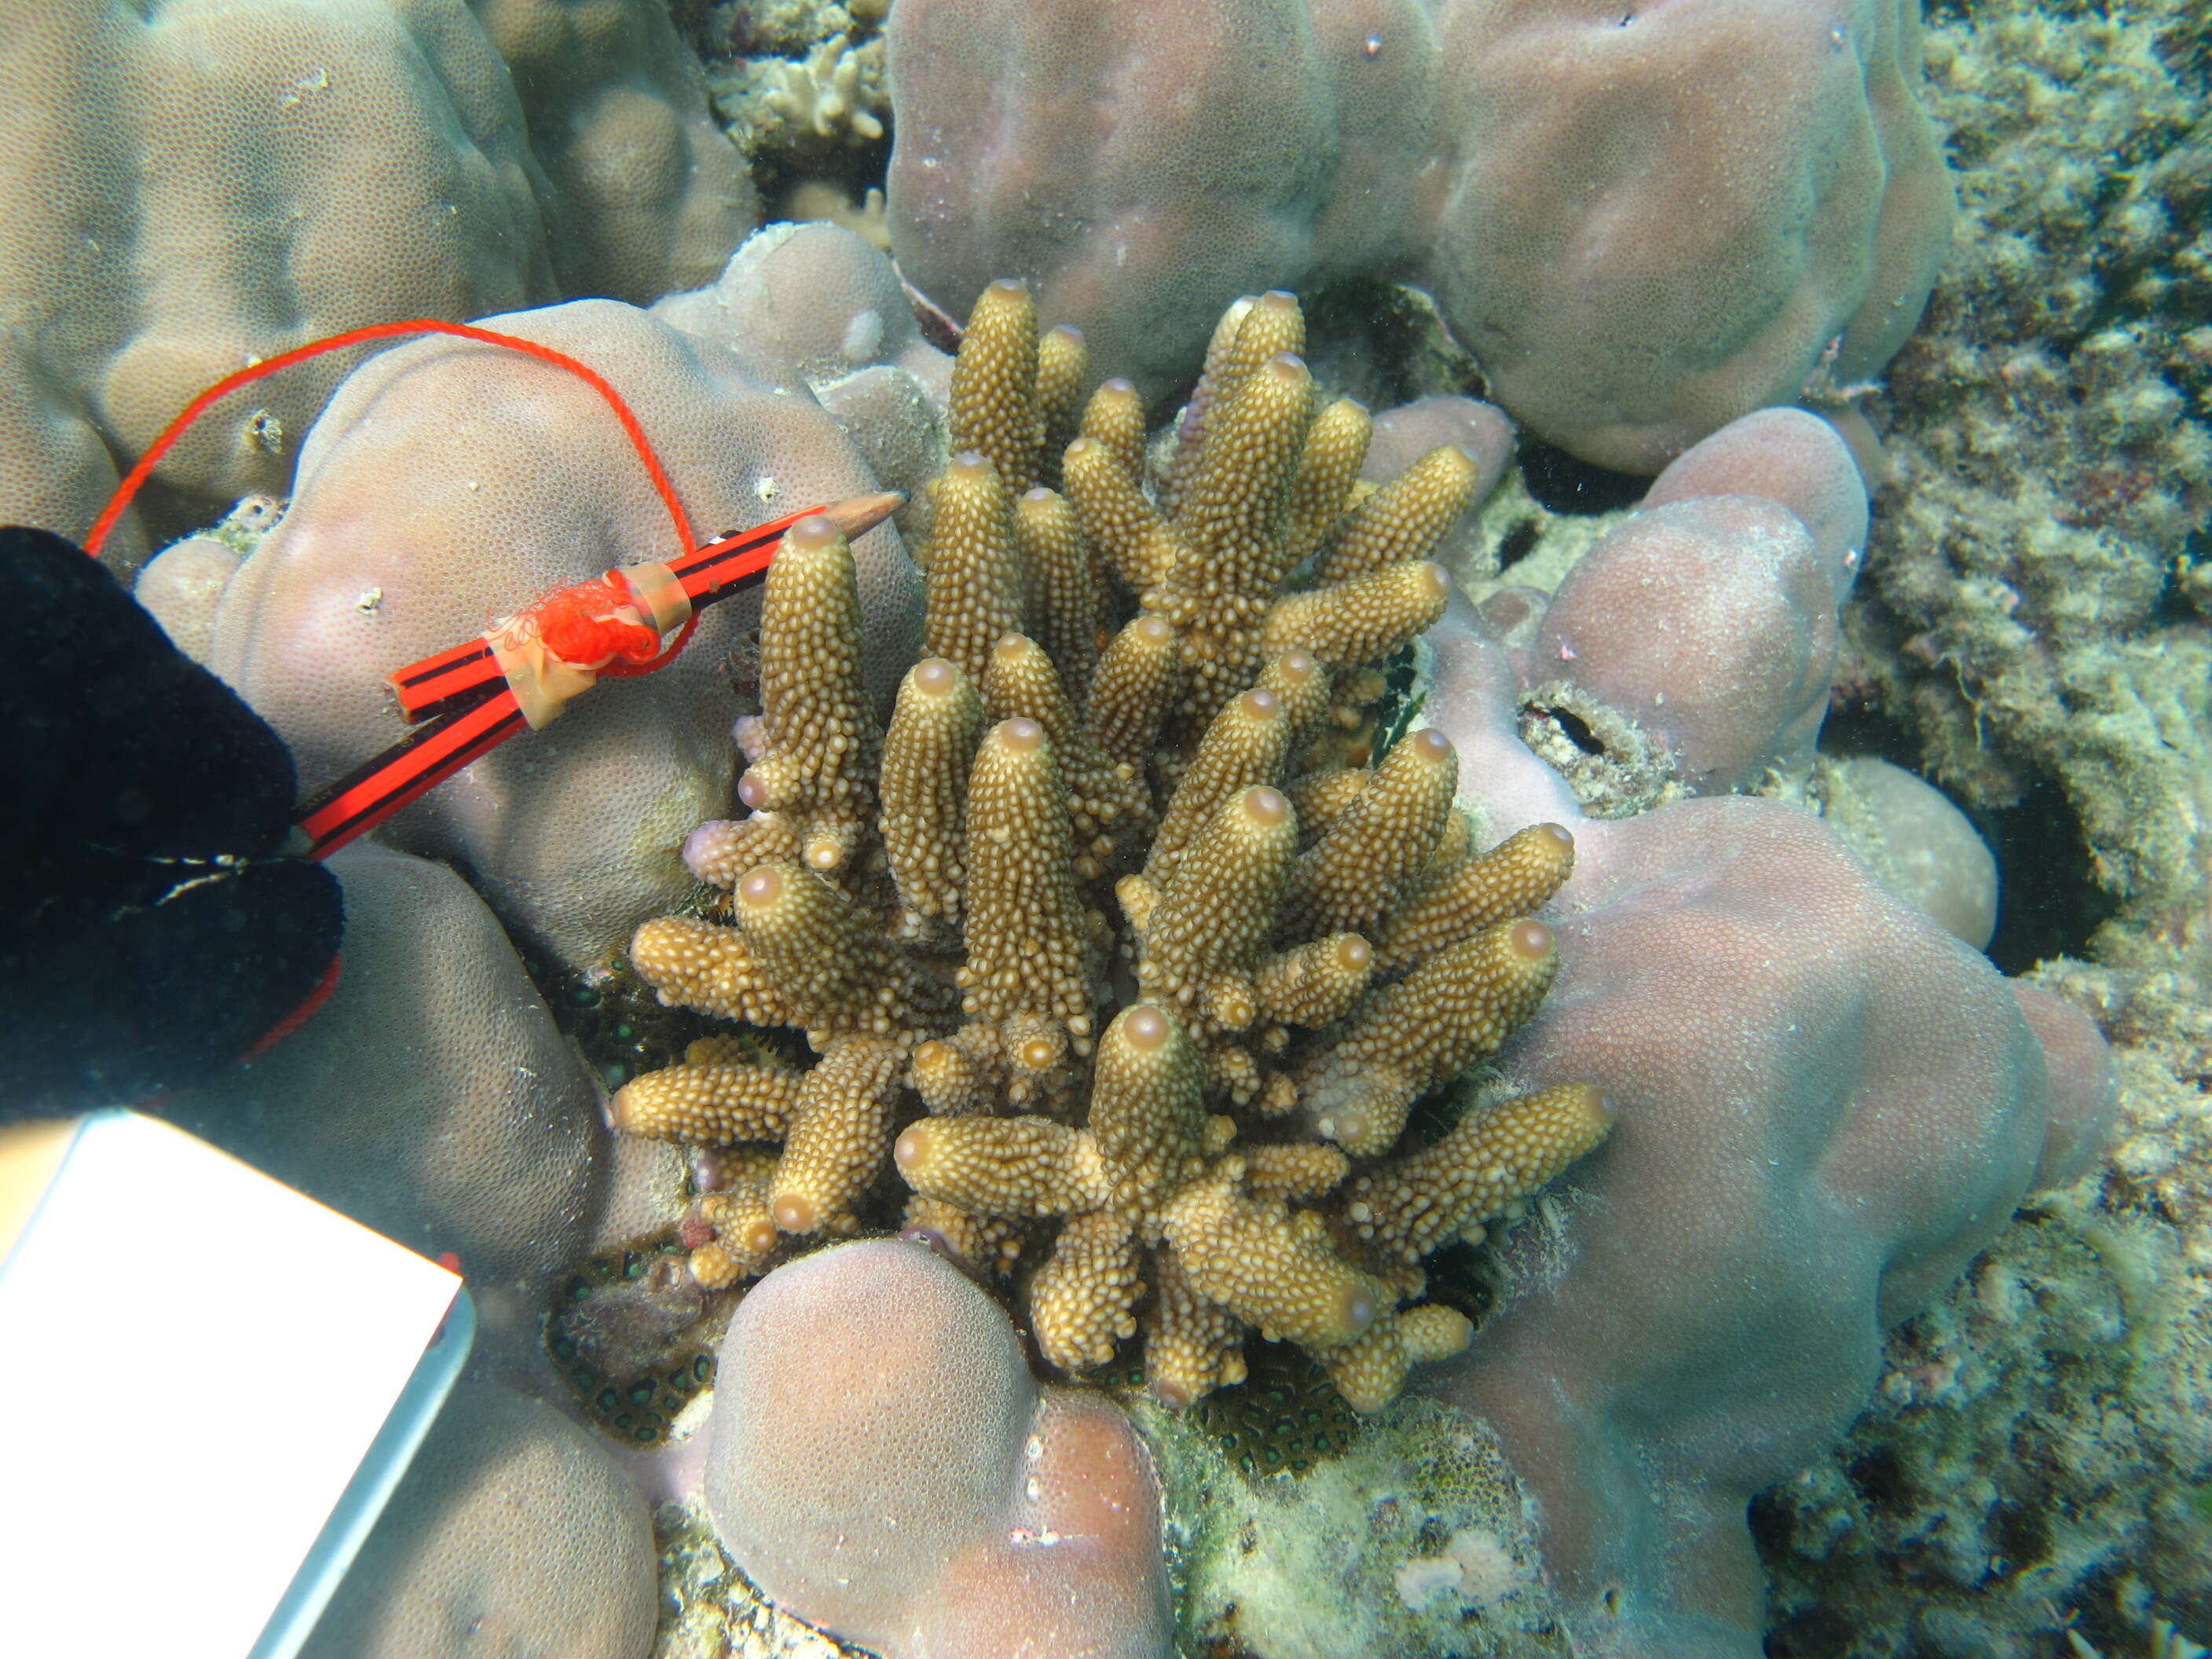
pixel 1163 1019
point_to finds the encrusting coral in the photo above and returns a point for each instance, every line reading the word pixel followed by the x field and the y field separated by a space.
pixel 1308 942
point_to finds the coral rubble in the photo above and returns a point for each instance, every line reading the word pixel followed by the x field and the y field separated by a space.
pixel 1206 1097
pixel 2035 633
pixel 1418 1540
pixel 2039 601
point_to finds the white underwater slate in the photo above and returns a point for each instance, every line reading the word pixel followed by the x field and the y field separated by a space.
pixel 209 1385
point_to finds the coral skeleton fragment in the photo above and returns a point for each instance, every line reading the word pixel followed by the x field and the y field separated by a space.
pixel 1122 893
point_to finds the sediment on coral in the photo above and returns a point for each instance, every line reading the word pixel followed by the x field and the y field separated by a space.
pixel 1125 893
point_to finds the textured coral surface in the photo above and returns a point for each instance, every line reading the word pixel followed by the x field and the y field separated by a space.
pixel 514 1531
pixel 433 1098
pixel 430 499
pixel 936 1503
pixel 962 954
pixel 1745 195
pixel 191 185
pixel 1823 1097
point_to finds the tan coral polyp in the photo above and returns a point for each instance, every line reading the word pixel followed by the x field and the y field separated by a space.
pixel 1265 807
pixel 812 534
pixel 793 1214
pixel 1145 1027
pixel 1530 940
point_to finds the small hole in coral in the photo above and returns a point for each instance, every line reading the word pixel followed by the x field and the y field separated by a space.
pixel 1575 728
pixel 2021 1533
pixel 1882 1479
pixel 1519 542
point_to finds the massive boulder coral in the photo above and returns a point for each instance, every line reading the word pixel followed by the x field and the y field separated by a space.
pixel 1826 1105
pixel 191 185
pixel 514 1531
pixel 1746 195
pixel 646 196
pixel 936 1501
pixel 1312 941
pixel 433 496
pixel 1706 618
pixel 828 304
pixel 431 1097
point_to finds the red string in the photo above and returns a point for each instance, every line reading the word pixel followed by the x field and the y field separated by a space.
pixel 309 1006
pixel 136 478
pixel 576 625
pixel 622 671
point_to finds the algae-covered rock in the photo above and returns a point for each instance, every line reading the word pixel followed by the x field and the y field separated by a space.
pixel 1415 1541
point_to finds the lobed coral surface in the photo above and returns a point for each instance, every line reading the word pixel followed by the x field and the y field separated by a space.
pixel 429 456
pixel 194 186
pixel 1748 196
pixel 939 1505
pixel 1824 1098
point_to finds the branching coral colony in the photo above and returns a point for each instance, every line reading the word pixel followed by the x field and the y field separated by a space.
pixel 1126 681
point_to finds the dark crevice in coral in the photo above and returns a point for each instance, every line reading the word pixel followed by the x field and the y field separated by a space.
pixel 1815 1633
pixel 2049 903
pixel 1574 727
pixel 1773 1524
pixel 1565 484
pixel 2178 600
pixel 2094 1610
pixel 1879 1478
pixel 703 26
pixel 2022 1533
pixel 614 1018
pixel 1466 1277
pixel 855 170
pixel 1856 728
pixel 1384 343
pixel 1518 544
